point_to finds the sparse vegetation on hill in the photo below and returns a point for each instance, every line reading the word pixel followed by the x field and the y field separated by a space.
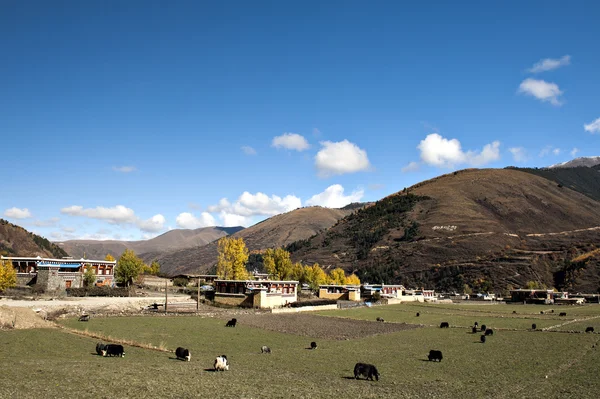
pixel 486 229
pixel 16 241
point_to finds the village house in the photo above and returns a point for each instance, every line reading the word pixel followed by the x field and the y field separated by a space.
pixel 340 292
pixel 264 294
pixel 59 274
pixel 398 292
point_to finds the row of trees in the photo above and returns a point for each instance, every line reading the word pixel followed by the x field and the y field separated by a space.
pixel 233 256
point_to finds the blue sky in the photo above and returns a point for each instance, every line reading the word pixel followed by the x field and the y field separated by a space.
pixel 126 119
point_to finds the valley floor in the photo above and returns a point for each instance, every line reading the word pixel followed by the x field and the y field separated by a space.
pixel 558 359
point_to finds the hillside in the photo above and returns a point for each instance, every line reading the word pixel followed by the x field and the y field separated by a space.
pixel 485 228
pixel 583 179
pixel 276 231
pixel 16 241
pixel 169 241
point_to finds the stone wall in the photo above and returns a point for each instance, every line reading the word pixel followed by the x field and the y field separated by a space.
pixel 48 277
pixel 24 279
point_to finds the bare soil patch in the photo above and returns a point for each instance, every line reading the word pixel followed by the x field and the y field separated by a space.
pixel 321 326
pixel 21 318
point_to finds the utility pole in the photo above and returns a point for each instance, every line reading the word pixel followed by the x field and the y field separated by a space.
pixel 166 294
pixel 198 298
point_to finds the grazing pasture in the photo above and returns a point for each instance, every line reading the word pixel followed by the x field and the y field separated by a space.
pixel 512 363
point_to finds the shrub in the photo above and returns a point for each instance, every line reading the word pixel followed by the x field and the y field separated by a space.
pixel 180 282
pixel 316 302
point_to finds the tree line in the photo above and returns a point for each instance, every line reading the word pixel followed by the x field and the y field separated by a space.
pixel 233 258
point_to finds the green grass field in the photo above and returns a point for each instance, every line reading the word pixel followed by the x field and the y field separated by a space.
pixel 53 363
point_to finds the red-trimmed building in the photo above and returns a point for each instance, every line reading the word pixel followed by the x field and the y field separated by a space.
pixel 54 274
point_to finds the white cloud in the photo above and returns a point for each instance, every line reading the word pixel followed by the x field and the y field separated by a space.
pixel 290 141
pixel 154 224
pixel 547 150
pixel 117 215
pixel 68 229
pixel 248 150
pixel 188 221
pixel 46 223
pixel 519 154
pixel 593 127
pixel 574 151
pixel 223 204
pixel 411 167
pixel 248 205
pixel 340 157
pixel 548 64
pixel 124 169
pixel 333 197
pixel 233 220
pixel 541 90
pixel 101 235
pixel 441 152
pixel 261 204
pixel 17 213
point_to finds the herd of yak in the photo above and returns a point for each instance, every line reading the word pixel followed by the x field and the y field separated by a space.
pixel 368 371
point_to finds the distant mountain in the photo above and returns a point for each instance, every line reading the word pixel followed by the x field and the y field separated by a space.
pixel 276 231
pixel 16 241
pixel 488 228
pixel 169 241
pixel 581 161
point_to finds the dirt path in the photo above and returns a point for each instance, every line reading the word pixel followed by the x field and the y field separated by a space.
pixel 92 303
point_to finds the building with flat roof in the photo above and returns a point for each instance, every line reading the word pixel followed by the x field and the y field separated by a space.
pixel 256 293
pixel 59 274
pixel 340 292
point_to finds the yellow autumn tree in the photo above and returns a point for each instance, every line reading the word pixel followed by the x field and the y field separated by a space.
pixel 298 272
pixel 278 263
pixel 233 256
pixel 109 258
pixel 315 276
pixel 337 276
pixel 352 279
pixel 8 275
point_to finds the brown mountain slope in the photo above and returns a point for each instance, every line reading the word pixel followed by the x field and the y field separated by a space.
pixel 276 231
pixel 16 241
pixel 484 228
pixel 171 240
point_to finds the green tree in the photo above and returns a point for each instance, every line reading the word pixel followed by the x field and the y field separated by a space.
pixel 278 263
pixel 337 276
pixel 89 277
pixel 233 256
pixel 128 267
pixel 8 275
